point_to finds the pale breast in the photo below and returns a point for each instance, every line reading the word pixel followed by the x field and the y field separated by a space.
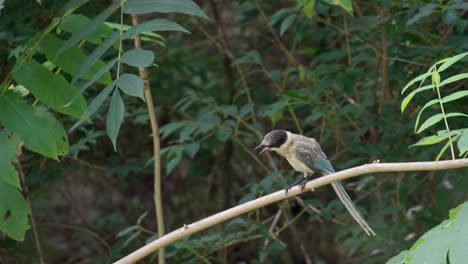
pixel 288 154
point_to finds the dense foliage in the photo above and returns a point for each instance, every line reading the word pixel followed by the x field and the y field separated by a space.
pixel 372 81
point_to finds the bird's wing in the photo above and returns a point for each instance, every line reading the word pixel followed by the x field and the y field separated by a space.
pixel 310 153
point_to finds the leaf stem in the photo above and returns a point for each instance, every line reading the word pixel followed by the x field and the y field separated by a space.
pixel 437 83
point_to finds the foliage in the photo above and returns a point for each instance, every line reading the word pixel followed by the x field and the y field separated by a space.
pixel 458 135
pixel 445 243
pixel 331 70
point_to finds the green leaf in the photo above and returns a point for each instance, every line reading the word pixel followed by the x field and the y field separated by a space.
pixel 127 230
pixel 9 145
pixel 13 212
pixel 70 59
pixel 264 231
pixel 192 149
pixel 428 141
pixel 454 96
pixel 345 4
pixel 39 130
pixel 90 27
pixel 428 104
pixel 94 105
pixel 449 236
pixel 454 78
pixel 287 22
pixel 251 57
pixel 52 90
pixel 410 96
pixel 75 24
pixel 158 24
pixel 138 57
pixel 462 142
pixel 423 12
pixel 436 118
pixel 435 78
pixel 451 61
pixel 309 8
pixel 189 7
pixel 421 78
pixel 115 117
pixel 131 85
pixel 89 61
pixel 93 79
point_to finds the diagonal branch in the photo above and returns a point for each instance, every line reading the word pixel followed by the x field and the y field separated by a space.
pixel 280 195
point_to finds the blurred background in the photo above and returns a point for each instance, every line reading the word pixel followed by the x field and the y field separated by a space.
pixel 255 66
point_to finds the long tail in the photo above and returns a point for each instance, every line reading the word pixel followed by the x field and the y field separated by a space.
pixel 348 203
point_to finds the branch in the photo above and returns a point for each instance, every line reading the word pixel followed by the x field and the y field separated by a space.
pixel 156 146
pixel 280 195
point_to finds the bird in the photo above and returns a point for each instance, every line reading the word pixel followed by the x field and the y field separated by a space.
pixel 305 155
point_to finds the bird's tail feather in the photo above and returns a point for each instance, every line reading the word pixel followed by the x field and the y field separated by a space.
pixel 348 203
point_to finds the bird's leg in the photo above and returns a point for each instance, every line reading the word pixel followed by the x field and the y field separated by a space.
pixel 301 181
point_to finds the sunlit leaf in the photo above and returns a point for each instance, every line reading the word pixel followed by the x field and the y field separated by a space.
pixel 435 119
pixel 450 61
pixel 428 141
pixel 462 142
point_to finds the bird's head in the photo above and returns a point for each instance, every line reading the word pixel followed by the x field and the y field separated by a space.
pixel 273 140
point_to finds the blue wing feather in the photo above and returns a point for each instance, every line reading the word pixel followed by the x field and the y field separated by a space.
pixel 318 163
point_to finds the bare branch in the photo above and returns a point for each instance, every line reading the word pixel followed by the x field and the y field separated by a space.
pixel 280 195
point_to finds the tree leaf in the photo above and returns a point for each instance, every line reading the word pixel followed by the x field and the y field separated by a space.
pixel 189 7
pixel 421 78
pixel 39 130
pixel 428 141
pixel 13 212
pixel 454 78
pixel 410 96
pixel 91 26
pixel 70 59
pixel 138 57
pixel 115 117
pixel 89 61
pixel 450 61
pixel 423 12
pixel 93 79
pixel 287 22
pixel 158 24
pixel 94 105
pixel 52 90
pixel 75 24
pixel 436 118
pixel 462 142
pixel 9 145
pixel 131 85
pixel 448 236
pixel 345 4
pixel 428 104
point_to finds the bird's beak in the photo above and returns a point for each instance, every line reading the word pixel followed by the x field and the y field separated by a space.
pixel 261 149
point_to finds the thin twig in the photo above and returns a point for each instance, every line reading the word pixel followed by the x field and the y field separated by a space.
pixel 80 229
pixel 280 195
pixel 156 146
pixel 33 221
